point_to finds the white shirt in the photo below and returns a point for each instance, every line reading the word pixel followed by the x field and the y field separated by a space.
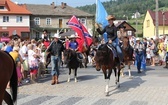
pixel 31 54
pixel 42 57
pixel 23 51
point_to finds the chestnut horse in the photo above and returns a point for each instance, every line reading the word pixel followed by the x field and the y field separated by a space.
pixel 128 54
pixel 8 74
pixel 106 61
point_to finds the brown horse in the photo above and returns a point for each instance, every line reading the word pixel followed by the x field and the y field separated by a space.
pixel 8 73
pixel 128 54
pixel 106 61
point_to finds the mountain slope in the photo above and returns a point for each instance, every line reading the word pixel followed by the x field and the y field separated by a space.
pixel 119 8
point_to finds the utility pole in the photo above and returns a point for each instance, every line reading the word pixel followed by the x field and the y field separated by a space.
pixel 163 13
pixel 157 19
pixel 136 16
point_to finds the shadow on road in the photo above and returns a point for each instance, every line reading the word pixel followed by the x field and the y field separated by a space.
pixel 87 77
pixel 127 85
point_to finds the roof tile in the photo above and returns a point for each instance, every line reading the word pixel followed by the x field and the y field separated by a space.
pixel 13 8
pixel 160 17
pixel 57 11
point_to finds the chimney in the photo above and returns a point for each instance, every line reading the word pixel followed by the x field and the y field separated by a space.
pixel 53 5
pixel 63 5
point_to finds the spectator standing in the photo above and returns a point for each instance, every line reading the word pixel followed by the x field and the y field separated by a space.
pixel 139 52
pixel 55 50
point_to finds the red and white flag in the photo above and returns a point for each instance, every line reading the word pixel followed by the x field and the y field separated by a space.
pixel 84 36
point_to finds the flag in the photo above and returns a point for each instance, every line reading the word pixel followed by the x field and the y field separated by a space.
pixel 101 15
pixel 87 36
pixel 84 37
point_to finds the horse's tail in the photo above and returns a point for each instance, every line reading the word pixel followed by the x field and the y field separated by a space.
pixel 14 83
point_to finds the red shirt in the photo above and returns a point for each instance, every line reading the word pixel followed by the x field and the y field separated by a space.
pixel 46 43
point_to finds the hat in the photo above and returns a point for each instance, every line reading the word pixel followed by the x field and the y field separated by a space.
pixel 137 39
pixel 122 26
pixel 110 17
pixel 16 48
pixel 56 35
pixel 73 36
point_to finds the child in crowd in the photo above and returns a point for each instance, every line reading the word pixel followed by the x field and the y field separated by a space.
pixel 19 74
pixel 33 62
pixel 148 56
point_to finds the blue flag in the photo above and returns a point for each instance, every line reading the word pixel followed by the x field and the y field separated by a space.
pixel 101 15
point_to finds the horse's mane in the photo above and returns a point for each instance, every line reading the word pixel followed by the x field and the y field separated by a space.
pixel 103 54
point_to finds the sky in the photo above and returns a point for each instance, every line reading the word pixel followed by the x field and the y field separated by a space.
pixel 73 3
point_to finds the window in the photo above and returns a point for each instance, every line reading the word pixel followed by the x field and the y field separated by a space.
pixel 148 23
pixel 5 18
pixel 37 35
pixel 60 23
pixel 83 21
pixel 2 7
pixel 129 32
pixel 48 21
pixel 19 19
pixel 37 21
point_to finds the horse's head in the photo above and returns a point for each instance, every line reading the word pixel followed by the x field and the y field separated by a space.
pixel 68 54
pixel 125 43
pixel 101 57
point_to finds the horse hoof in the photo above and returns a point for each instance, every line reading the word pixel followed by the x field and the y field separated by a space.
pixel 130 77
pixel 76 80
pixel 68 80
pixel 107 93
pixel 123 76
pixel 116 83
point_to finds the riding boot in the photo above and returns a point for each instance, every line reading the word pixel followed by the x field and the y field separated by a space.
pixel 56 79
pixel 53 80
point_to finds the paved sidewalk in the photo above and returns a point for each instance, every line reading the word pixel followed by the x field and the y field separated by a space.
pixel 148 88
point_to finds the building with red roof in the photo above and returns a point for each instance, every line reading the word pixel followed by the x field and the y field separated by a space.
pixel 149 29
pixel 14 20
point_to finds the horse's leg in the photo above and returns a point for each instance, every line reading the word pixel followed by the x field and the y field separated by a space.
pixel 122 72
pixel 118 78
pixel 69 76
pixel 115 72
pixel 75 75
pixel 8 98
pixel 106 81
pixel 129 70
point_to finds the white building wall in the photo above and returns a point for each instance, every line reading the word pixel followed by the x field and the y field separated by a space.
pixel 12 21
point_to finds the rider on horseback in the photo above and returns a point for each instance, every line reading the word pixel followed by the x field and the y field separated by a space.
pixel 123 34
pixel 73 45
pixel 111 31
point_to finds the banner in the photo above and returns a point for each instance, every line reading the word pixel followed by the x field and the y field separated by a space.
pixel 101 15
pixel 84 36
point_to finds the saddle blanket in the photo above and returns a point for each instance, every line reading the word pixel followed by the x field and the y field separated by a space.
pixel 113 50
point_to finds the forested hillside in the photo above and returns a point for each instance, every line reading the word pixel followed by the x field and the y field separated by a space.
pixel 119 8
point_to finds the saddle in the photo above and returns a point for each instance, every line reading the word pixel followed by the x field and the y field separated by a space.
pixel 80 57
pixel 113 49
